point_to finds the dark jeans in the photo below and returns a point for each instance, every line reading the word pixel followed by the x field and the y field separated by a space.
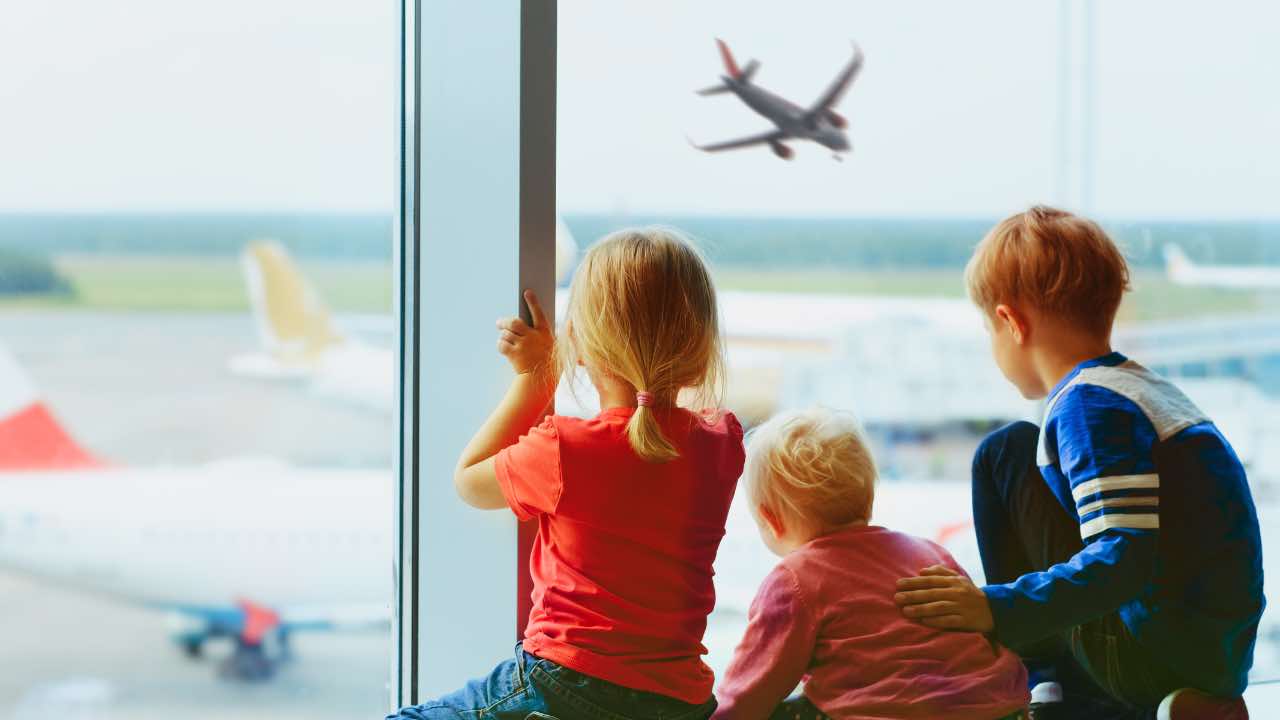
pixel 1022 528
pixel 527 685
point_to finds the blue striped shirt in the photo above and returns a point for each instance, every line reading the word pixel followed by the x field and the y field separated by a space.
pixel 1168 523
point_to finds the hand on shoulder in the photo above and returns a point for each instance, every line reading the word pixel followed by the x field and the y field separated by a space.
pixel 942 598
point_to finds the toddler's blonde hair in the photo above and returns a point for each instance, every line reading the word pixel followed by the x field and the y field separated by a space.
pixel 642 309
pixel 1057 262
pixel 812 466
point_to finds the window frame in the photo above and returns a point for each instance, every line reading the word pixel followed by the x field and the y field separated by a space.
pixel 430 600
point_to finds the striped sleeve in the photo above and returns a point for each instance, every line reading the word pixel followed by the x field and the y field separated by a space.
pixel 1102 444
pixel 1105 447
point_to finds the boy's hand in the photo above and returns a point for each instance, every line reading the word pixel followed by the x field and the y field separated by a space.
pixel 527 348
pixel 943 598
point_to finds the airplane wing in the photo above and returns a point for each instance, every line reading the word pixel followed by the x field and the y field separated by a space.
pixel 760 139
pixel 837 88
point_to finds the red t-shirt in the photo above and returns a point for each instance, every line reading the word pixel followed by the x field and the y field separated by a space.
pixel 622 563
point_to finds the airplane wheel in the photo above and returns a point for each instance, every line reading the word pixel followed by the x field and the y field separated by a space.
pixel 247 664
pixel 193 648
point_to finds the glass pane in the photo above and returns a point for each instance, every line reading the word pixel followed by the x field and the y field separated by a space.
pixel 196 358
pixel 841 282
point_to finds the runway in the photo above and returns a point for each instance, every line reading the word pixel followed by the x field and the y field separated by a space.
pixel 68 655
pixel 153 389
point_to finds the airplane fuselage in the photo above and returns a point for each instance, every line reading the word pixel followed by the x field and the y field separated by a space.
pixel 204 537
pixel 789 117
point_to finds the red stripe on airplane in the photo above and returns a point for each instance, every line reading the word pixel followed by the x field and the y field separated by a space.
pixel 32 439
pixel 951 530
pixel 729 65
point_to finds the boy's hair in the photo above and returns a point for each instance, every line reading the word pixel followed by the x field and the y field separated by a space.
pixel 812 466
pixel 1057 262
pixel 642 308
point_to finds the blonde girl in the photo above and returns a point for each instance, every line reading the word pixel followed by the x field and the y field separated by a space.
pixel 630 504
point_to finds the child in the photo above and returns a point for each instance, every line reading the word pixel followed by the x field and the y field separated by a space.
pixel 825 613
pixel 1121 532
pixel 631 504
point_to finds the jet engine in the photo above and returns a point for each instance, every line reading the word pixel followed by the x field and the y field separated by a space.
pixel 781 150
pixel 837 119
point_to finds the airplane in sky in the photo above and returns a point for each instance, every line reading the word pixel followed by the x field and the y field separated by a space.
pixel 819 122
pixel 248 549
pixel 1182 271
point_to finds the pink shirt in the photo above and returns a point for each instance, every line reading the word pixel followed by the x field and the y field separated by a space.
pixel 826 615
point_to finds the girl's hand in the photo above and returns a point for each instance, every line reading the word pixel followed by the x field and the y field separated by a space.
pixel 527 348
pixel 945 599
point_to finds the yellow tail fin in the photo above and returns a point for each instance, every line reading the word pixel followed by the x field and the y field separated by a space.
pixel 293 322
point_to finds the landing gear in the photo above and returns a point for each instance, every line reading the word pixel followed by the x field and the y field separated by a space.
pixel 259 641
pixel 192 647
pixel 248 663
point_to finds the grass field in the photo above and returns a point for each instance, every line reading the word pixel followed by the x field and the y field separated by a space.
pixel 194 283
pixel 187 283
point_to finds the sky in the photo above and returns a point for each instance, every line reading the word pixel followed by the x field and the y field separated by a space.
pixel 290 105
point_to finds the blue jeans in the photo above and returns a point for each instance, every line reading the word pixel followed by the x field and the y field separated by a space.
pixel 1022 528
pixel 528 686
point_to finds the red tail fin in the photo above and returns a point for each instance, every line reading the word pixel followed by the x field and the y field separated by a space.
pixel 30 437
pixel 730 66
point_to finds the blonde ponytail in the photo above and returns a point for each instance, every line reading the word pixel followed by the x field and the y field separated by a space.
pixel 642 309
pixel 646 438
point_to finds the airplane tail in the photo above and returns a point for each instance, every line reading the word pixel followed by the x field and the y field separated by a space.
pixel 31 438
pixel 293 323
pixel 730 66
pixel 731 70
pixel 1178 266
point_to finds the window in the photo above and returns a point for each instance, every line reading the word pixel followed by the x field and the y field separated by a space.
pixel 841 282
pixel 196 358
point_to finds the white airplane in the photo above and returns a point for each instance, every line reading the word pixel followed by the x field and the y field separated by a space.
pixel 1182 271
pixel 775 342
pixel 252 550
pixel 897 361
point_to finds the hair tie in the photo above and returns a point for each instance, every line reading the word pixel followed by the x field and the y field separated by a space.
pixel 644 399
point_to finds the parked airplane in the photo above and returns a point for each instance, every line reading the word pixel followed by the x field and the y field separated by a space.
pixel 1183 271
pixel 300 340
pixel 773 341
pixel 819 122
pixel 250 549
